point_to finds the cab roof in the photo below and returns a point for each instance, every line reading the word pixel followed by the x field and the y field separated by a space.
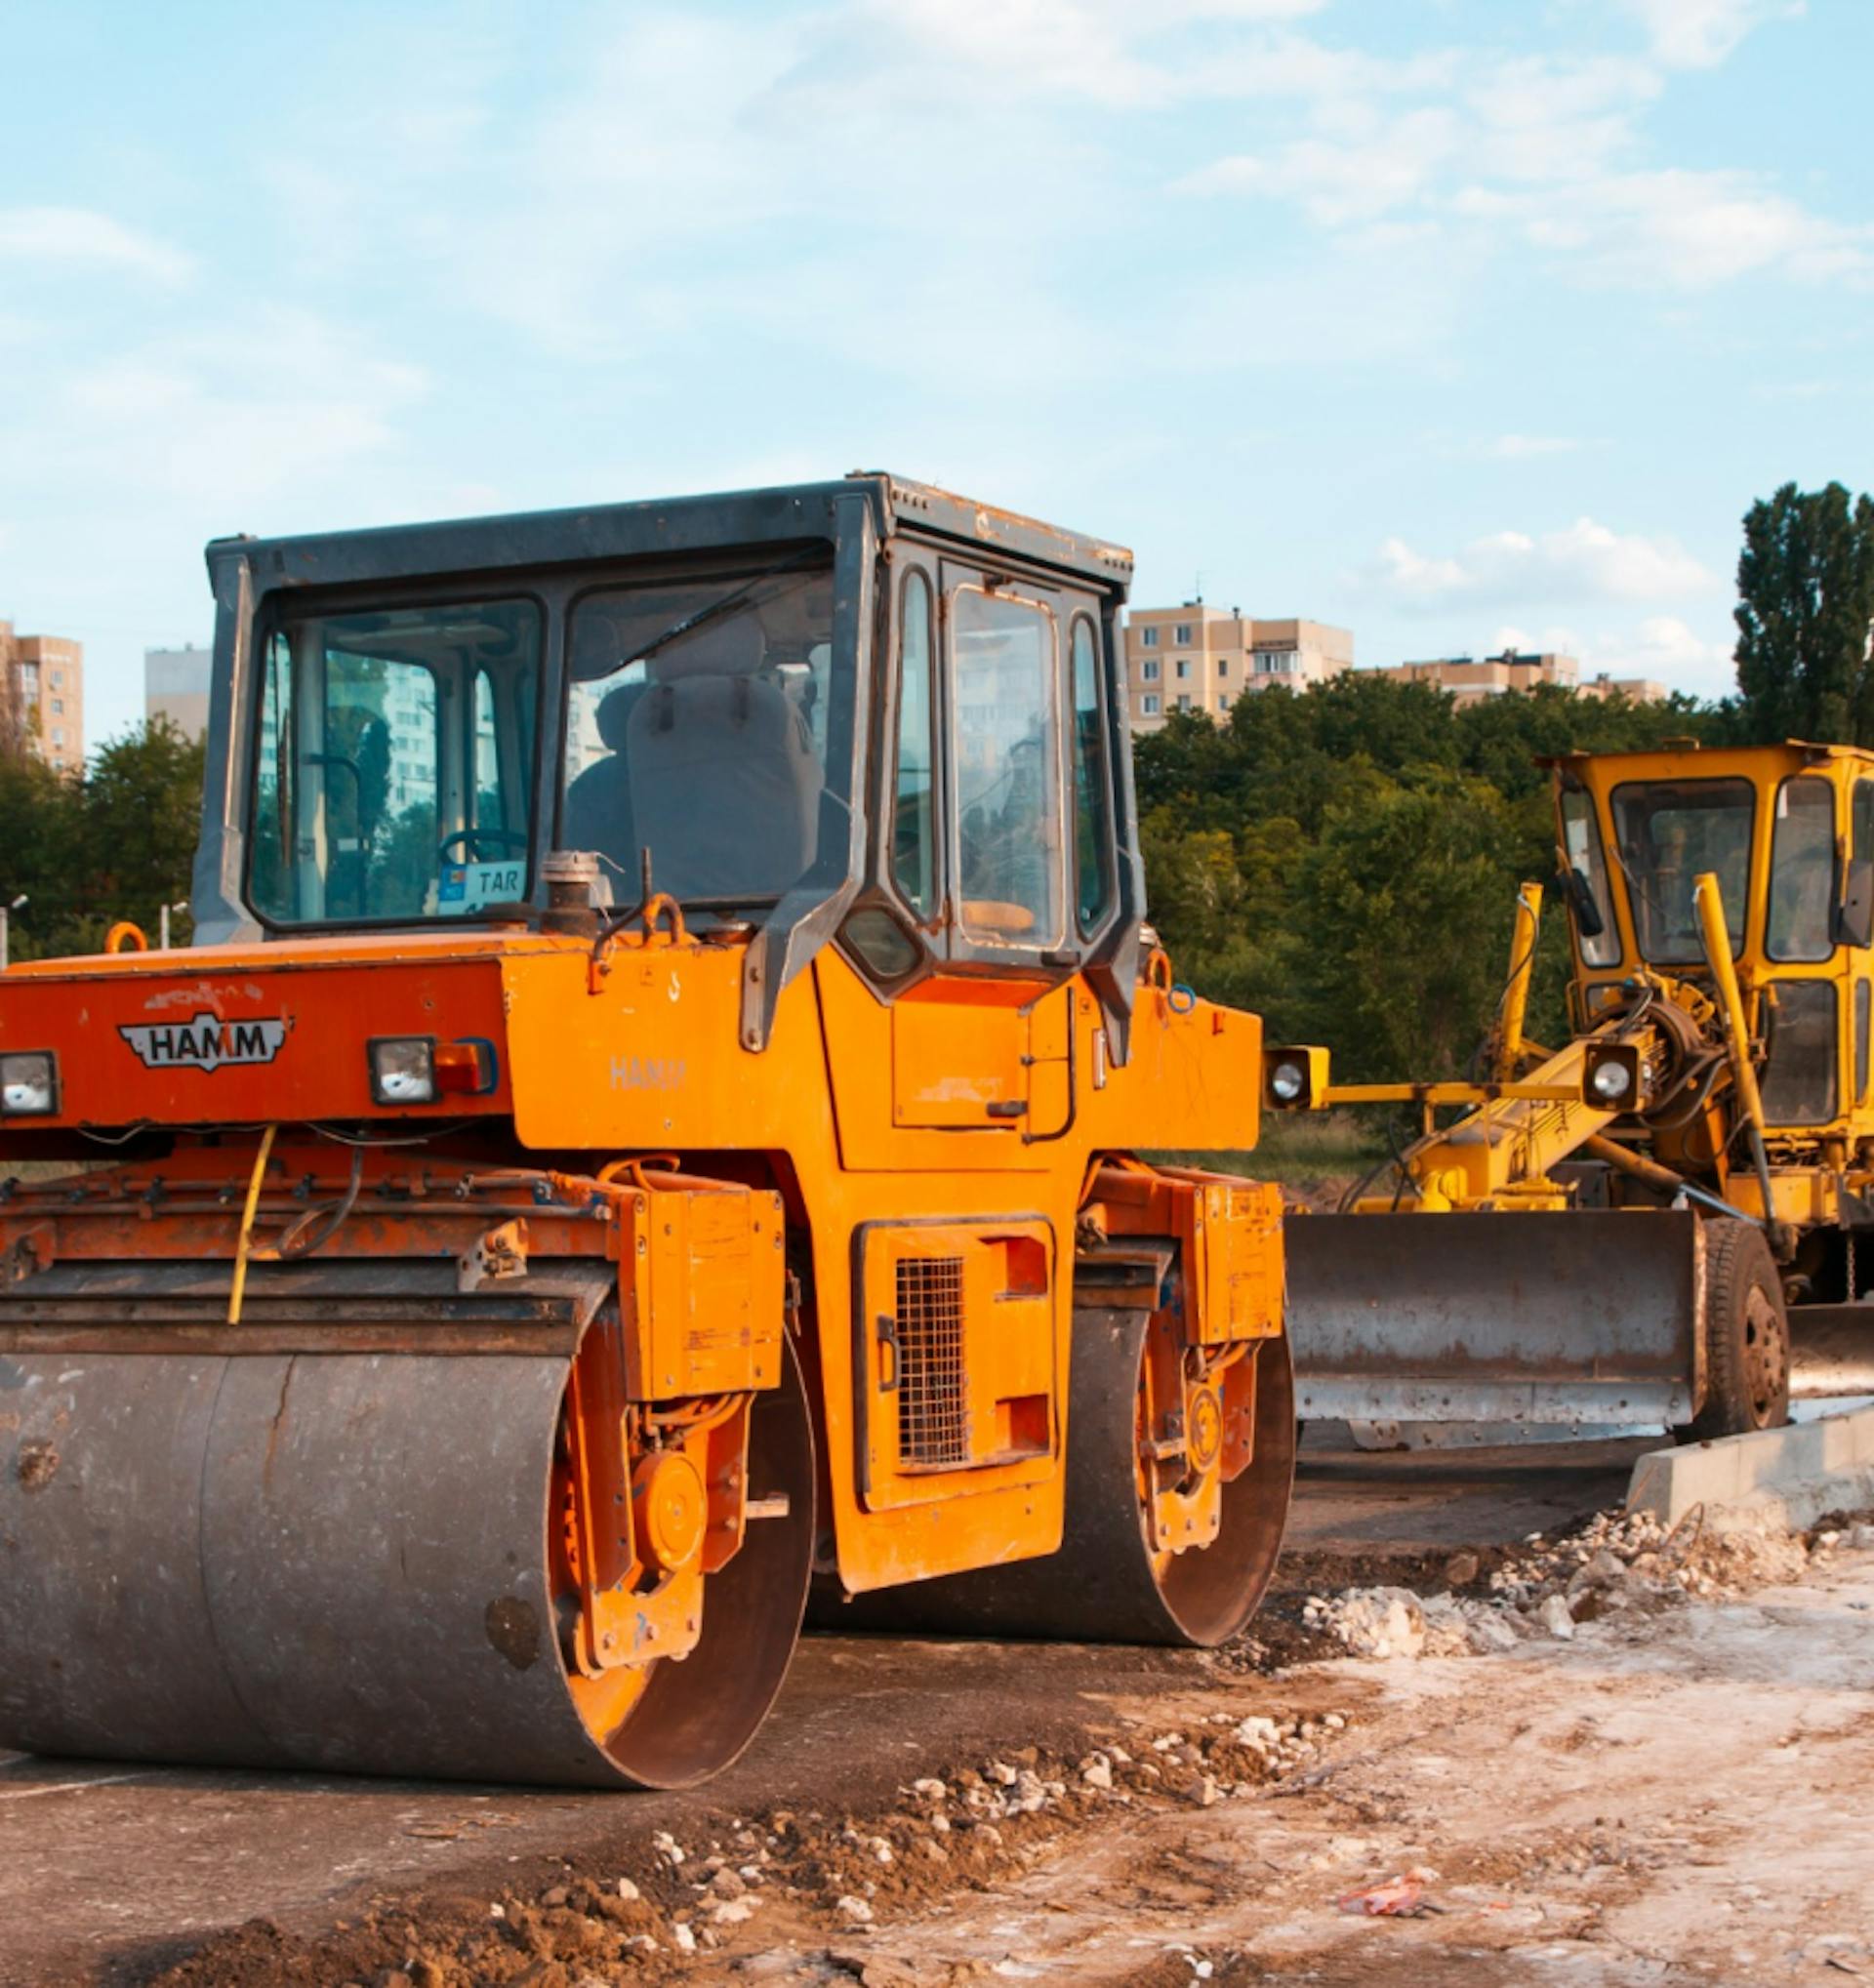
pixel 676 526
pixel 1686 753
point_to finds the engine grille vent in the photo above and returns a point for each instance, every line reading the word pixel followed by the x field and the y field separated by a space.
pixel 933 1409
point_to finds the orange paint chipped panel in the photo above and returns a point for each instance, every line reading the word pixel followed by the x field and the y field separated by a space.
pixel 188 1048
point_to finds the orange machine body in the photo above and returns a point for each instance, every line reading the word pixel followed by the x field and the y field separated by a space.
pixel 833 1115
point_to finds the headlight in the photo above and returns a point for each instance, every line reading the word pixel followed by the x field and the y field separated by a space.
pixel 1288 1082
pixel 1609 1082
pixel 403 1069
pixel 30 1085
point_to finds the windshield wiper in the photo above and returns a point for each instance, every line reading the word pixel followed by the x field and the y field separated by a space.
pixel 702 616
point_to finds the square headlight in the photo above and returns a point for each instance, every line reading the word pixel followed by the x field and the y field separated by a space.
pixel 403 1069
pixel 29 1084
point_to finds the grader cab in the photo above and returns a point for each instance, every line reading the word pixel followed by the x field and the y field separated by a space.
pixel 649 1119
pixel 1670 1219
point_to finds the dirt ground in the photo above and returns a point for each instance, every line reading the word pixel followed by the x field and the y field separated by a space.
pixel 1672 1795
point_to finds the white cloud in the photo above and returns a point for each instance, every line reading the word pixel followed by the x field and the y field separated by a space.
pixel 79 238
pixel 1524 447
pixel 1582 562
pixel 1699 34
pixel 1351 180
pixel 1542 152
pixel 1667 645
pixel 1695 229
pixel 224 418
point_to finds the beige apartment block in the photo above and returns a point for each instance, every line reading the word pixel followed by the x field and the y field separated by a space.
pixel 1469 678
pixel 1196 658
pixel 176 687
pixel 47 672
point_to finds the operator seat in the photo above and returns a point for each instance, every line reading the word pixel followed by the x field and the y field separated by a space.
pixel 725 783
pixel 599 802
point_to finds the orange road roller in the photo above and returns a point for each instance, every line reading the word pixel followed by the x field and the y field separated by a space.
pixel 649 1123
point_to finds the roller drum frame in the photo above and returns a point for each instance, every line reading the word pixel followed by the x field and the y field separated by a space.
pixel 1103 1585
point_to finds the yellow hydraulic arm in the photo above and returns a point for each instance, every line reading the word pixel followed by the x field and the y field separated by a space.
pixel 1500 1153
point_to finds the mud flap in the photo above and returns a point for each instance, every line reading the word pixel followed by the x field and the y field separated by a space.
pixel 1564 1319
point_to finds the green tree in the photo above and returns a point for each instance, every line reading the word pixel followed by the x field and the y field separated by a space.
pixel 141 808
pixel 1259 835
pixel 1405 908
pixel 115 842
pixel 1805 611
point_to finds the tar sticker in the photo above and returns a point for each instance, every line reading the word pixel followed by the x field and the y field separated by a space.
pixel 470 886
pixel 205 1043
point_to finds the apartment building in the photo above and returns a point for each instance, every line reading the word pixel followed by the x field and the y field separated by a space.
pixel 176 687
pixel 1196 658
pixel 1468 678
pixel 47 674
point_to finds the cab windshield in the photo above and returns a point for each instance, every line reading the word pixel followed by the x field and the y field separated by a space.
pixel 393 776
pixel 703 730
pixel 1667 833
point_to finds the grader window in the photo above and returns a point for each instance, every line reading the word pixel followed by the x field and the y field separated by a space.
pixel 1668 833
pixel 393 763
pixel 1008 780
pixel 1581 846
pixel 1802 871
pixel 1864 1002
pixel 700 727
pixel 1799 1079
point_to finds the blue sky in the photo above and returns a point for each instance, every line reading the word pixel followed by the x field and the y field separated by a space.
pixel 1455 321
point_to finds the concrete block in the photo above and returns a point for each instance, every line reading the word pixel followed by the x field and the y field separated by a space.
pixel 1779 1477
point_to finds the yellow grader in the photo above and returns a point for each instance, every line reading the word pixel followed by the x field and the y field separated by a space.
pixel 1669 1221
pixel 649 1119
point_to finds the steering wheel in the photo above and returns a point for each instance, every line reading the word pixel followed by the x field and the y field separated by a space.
pixel 511 842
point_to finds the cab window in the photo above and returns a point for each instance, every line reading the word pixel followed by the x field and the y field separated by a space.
pixel 1799 1081
pixel 697 735
pixel 1008 771
pixel 1802 871
pixel 913 838
pixel 1092 793
pixel 1857 898
pixel 1582 850
pixel 1863 1000
pixel 393 765
pixel 1668 835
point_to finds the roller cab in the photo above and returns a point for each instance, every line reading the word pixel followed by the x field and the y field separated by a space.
pixel 648 1126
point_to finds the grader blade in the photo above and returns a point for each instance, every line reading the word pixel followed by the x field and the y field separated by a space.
pixel 1831 1350
pixel 1564 1320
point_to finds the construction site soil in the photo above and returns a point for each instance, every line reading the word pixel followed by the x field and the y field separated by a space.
pixel 1675 1782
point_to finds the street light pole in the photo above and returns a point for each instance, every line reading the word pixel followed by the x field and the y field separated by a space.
pixel 6 928
pixel 181 904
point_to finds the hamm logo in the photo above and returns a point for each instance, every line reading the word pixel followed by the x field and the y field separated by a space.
pixel 205 1043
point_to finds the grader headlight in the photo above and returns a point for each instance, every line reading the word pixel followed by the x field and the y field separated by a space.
pixel 29 1084
pixel 1611 1076
pixel 1293 1079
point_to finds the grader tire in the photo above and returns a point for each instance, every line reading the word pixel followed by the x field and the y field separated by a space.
pixel 1746 1336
